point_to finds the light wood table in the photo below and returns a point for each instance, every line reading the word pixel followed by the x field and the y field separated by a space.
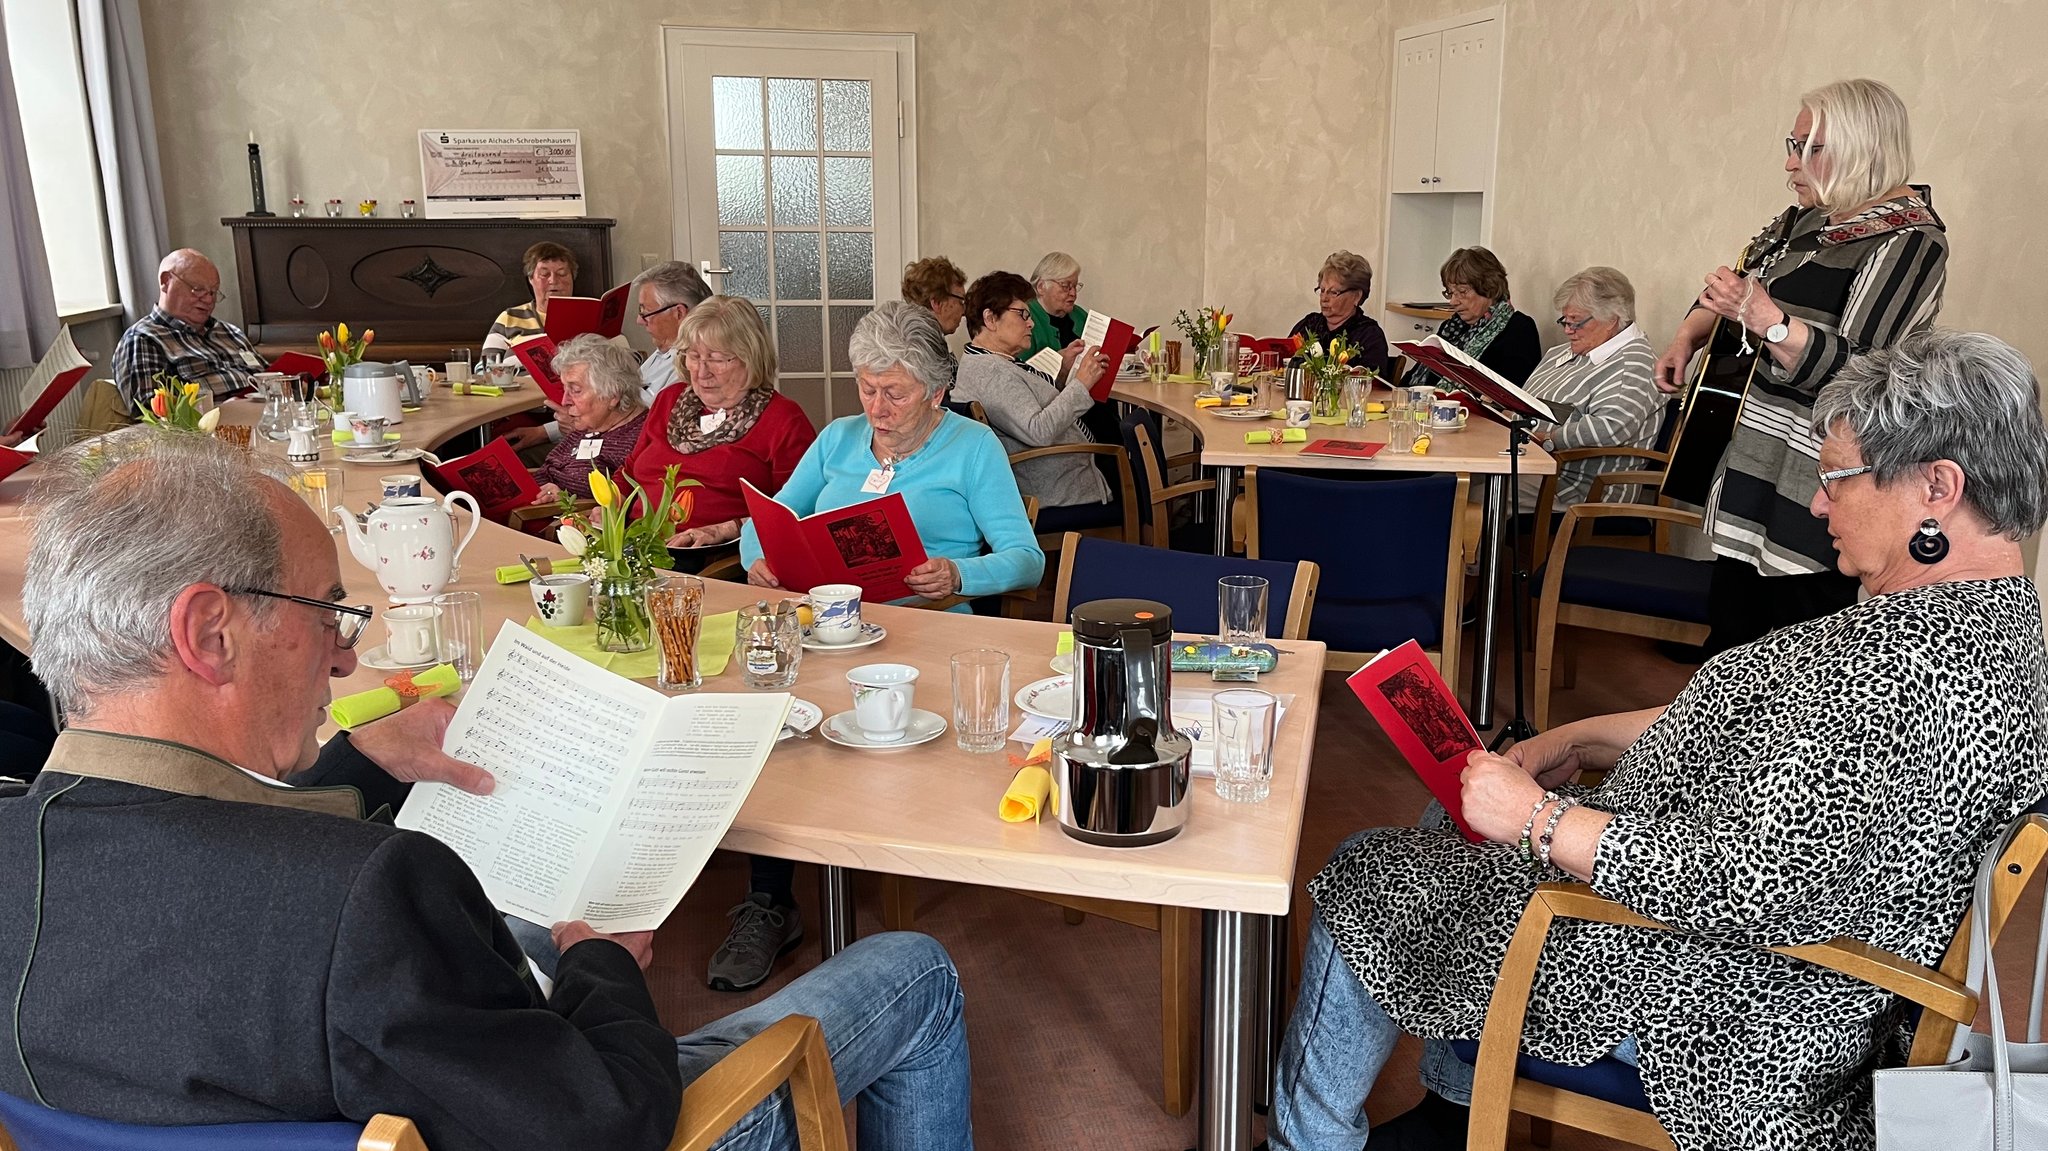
pixel 1479 451
pixel 929 812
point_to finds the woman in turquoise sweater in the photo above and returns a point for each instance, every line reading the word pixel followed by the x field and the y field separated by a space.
pixel 951 471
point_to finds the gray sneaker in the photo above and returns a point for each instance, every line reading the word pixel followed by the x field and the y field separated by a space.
pixel 760 933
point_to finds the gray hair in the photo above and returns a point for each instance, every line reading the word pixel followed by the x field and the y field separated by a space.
pixel 674 283
pixel 1966 397
pixel 1869 141
pixel 123 525
pixel 1604 292
pixel 901 333
pixel 1055 266
pixel 1353 272
pixel 609 369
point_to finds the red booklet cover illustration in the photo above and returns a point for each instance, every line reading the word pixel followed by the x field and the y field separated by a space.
pixel 1348 449
pixel 12 461
pixel 571 316
pixel 871 544
pixel 537 353
pixel 493 477
pixel 1116 339
pixel 1414 706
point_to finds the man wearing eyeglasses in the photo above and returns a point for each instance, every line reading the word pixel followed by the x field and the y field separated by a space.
pixel 181 338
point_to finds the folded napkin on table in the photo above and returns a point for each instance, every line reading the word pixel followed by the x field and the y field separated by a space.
pixel 1194 378
pixel 1218 402
pixel 517 573
pixel 348 436
pixel 1032 791
pixel 1277 436
pixel 1065 644
pixel 352 711
pixel 714 647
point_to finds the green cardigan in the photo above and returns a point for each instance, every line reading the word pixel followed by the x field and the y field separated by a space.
pixel 1042 334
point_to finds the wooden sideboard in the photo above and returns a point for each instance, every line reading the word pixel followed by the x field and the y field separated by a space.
pixel 424 285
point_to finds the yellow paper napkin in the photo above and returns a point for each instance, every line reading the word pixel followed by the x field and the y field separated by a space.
pixel 348 436
pixel 1027 796
pixel 517 573
pixel 1186 378
pixel 1065 643
pixel 478 390
pixel 351 711
pixel 714 647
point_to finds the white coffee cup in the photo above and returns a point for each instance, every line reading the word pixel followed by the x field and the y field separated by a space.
pixel 458 371
pixel 414 637
pixel 1298 412
pixel 882 693
pixel 835 613
pixel 561 600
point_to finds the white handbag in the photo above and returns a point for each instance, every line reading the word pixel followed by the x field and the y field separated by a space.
pixel 1993 1094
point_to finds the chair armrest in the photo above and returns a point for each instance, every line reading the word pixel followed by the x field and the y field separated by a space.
pixel 722 569
pixel 1067 450
pixel 1606 480
pixel 1578 514
pixel 1567 455
pixel 792 1050
pixel 1185 459
pixel 390 1133
pixel 532 512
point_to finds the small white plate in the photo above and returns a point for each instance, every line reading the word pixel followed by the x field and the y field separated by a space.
pixel 380 659
pixel 392 455
pixel 803 716
pixel 1241 413
pixel 1052 697
pixel 1457 426
pixel 870 633
pixel 1063 662
pixel 923 727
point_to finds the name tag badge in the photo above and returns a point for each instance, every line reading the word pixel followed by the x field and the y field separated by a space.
pixel 706 423
pixel 252 359
pixel 878 481
pixel 588 449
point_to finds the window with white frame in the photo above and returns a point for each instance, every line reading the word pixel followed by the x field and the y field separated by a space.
pixel 49 85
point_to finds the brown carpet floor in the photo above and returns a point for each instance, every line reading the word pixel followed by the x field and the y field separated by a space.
pixel 1063 1021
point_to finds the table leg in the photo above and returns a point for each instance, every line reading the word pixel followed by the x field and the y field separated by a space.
pixel 1272 1010
pixel 1230 956
pixel 835 910
pixel 1226 491
pixel 1490 544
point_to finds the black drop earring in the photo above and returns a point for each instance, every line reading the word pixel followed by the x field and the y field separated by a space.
pixel 1929 545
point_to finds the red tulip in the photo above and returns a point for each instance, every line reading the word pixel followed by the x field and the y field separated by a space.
pixel 679 512
pixel 160 404
pixel 368 335
pixel 326 342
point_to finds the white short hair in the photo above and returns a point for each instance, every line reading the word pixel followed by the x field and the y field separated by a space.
pixel 1604 292
pixel 899 333
pixel 1869 141
pixel 1055 266
pixel 608 369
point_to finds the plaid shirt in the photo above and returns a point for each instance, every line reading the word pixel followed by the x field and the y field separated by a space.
pixel 217 356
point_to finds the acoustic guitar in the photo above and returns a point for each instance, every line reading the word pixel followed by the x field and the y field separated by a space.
pixel 1713 403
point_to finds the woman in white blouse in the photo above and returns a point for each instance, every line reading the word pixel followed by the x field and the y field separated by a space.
pixel 1604 371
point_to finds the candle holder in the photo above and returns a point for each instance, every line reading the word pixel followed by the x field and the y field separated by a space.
pixel 298 207
pixel 366 207
pixel 334 209
pixel 407 209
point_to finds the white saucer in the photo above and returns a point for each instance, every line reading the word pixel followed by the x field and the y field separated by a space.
pixel 395 455
pixel 380 659
pixel 803 716
pixel 1051 697
pixel 1241 413
pixel 1458 426
pixel 923 727
pixel 1063 663
pixel 870 633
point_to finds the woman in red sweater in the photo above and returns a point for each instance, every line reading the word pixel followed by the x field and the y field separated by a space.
pixel 728 424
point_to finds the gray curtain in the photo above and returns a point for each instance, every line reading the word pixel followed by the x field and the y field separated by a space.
pixel 28 302
pixel 124 132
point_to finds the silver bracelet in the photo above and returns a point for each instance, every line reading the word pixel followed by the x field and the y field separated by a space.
pixel 1550 830
pixel 1529 828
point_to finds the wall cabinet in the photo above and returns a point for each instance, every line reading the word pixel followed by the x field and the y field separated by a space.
pixel 1446 108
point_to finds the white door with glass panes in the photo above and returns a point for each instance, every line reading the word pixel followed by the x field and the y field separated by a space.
pixel 789 172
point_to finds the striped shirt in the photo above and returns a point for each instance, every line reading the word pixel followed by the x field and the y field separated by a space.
pixel 1615 403
pixel 513 324
pixel 217 356
pixel 1860 285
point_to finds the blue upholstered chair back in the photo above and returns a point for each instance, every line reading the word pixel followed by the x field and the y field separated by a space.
pixel 1381 544
pixel 1183 581
pixel 38 1128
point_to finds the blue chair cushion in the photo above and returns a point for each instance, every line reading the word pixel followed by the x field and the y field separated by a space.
pixel 38 1128
pixel 1080 517
pixel 1183 581
pixel 1606 1078
pixel 1646 583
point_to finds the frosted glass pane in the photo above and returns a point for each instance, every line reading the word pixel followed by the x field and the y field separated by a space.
pixel 796 191
pixel 809 394
pixel 843 317
pixel 850 265
pixel 843 393
pixel 846 116
pixel 796 266
pixel 793 115
pixel 736 106
pixel 746 253
pixel 740 199
pixel 849 191
pixel 799 344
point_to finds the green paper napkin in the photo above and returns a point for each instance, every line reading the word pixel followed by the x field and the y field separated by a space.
pixel 352 711
pixel 517 573
pixel 348 436
pixel 714 647
pixel 1065 643
pixel 1287 436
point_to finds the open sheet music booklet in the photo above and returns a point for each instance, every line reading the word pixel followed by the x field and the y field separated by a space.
pixel 1457 365
pixel 59 371
pixel 610 795
pixel 1402 690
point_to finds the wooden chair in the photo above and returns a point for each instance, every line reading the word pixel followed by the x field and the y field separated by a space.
pixel 1372 597
pixel 790 1051
pixel 534 518
pixel 1546 496
pixel 1012 601
pixel 1155 496
pixel 1504 1080
pixel 1618 589
pixel 101 409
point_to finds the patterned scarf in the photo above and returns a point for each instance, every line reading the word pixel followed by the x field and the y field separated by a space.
pixel 1473 339
pixel 688 437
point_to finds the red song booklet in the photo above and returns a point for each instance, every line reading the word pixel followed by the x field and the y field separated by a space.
pixel 1116 339
pixel 12 461
pixel 871 544
pixel 537 353
pixel 1414 706
pixel 1348 449
pixel 59 371
pixel 493 477
pixel 572 316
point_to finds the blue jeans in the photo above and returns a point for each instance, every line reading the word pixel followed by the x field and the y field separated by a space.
pixel 891 1008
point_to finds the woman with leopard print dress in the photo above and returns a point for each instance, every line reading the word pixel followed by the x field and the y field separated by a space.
pixel 1839 777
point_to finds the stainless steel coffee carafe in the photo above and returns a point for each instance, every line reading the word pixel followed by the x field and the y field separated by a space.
pixel 1299 386
pixel 1122 768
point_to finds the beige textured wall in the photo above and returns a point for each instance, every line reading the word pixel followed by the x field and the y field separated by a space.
pixel 1298 109
pixel 1037 128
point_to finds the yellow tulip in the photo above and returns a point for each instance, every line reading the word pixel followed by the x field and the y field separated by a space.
pixel 601 490
pixel 192 392
pixel 341 334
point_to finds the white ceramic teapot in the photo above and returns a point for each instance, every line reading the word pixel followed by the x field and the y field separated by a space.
pixel 410 543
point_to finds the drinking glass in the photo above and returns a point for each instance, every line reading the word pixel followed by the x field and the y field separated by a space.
pixel 1355 393
pixel 770 642
pixel 981 699
pixel 462 631
pixel 1241 609
pixel 1231 361
pixel 323 489
pixel 676 603
pixel 1401 433
pixel 1245 720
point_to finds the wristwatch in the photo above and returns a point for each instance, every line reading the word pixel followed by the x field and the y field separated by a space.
pixel 1776 333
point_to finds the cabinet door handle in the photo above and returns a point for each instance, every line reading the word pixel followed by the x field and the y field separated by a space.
pixel 1436 179
pixel 1422 327
pixel 1424 180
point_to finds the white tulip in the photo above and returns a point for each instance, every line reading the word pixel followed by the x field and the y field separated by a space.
pixel 572 539
pixel 210 420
